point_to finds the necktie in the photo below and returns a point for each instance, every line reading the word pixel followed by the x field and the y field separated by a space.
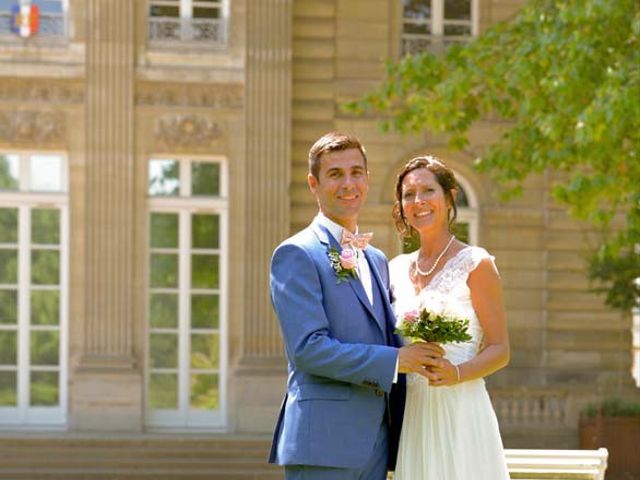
pixel 359 240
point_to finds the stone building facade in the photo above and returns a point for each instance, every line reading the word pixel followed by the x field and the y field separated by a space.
pixel 152 155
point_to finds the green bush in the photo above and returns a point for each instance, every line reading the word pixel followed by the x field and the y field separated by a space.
pixel 613 407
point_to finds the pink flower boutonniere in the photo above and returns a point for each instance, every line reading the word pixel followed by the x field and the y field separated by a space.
pixel 343 263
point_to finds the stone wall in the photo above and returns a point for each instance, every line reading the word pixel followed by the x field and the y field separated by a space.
pixel 261 103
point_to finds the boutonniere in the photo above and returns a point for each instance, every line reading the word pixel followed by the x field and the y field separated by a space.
pixel 344 264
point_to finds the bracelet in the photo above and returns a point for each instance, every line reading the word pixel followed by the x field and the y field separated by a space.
pixel 457 373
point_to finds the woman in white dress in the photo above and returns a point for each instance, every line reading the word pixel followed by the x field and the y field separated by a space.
pixel 450 431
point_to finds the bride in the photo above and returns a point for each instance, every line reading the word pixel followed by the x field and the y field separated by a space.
pixel 450 431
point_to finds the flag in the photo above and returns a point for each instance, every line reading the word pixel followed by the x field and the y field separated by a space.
pixel 24 20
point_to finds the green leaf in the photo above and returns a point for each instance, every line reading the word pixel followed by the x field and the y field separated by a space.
pixel 565 75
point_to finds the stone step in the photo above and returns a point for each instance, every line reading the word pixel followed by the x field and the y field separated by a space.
pixel 137 452
pixel 70 474
pixel 58 457
pixel 131 463
pixel 170 442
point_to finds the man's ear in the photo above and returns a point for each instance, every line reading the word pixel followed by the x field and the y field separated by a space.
pixel 312 181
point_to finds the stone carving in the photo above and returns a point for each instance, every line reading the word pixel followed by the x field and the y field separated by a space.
pixel 32 127
pixel 189 95
pixel 186 131
pixel 51 91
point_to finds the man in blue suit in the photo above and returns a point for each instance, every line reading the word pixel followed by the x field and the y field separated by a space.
pixel 330 290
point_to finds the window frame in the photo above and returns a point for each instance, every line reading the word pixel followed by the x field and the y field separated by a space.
pixel 635 347
pixel 184 417
pixel 24 416
pixel 436 40
pixel 468 214
pixel 186 21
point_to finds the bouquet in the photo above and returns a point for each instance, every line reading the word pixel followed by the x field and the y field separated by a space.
pixel 433 327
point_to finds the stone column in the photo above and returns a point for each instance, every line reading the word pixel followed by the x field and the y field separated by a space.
pixel 268 133
pixel 106 390
pixel 268 116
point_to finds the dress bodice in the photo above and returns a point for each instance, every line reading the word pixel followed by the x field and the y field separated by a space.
pixel 449 432
pixel 447 292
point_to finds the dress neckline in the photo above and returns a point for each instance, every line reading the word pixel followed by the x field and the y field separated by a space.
pixel 444 266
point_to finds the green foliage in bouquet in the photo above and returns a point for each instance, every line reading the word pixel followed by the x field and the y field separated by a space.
pixel 433 327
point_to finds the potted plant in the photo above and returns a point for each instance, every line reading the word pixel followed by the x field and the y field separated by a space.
pixel 614 424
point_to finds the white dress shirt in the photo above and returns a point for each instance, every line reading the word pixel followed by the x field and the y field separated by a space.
pixel 364 272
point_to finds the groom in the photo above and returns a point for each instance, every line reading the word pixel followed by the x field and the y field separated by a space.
pixel 331 294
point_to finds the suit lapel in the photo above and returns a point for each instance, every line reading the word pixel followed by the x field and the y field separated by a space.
pixel 356 284
pixel 320 232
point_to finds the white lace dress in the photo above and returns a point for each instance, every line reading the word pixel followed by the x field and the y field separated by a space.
pixel 448 433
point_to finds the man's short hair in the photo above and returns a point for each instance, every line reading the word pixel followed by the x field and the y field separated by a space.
pixel 332 142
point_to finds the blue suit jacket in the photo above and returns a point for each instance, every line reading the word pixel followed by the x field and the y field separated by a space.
pixel 341 357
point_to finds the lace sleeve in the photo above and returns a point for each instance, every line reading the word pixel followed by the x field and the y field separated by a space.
pixel 473 258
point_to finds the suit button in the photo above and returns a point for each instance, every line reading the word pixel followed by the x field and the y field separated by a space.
pixel 379 393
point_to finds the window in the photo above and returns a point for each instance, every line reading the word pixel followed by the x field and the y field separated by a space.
pixel 465 227
pixel 202 22
pixel 33 289
pixel 187 271
pixel 434 24
pixel 635 316
pixel 18 18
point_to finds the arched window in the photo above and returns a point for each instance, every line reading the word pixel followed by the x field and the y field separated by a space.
pixel 635 315
pixel 466 226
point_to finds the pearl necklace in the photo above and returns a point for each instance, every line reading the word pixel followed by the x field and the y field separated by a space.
pixel 435 264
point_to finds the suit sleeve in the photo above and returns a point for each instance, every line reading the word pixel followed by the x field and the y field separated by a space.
pixel 296 294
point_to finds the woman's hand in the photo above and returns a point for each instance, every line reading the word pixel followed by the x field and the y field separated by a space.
pixel 417 356
pixel 443 373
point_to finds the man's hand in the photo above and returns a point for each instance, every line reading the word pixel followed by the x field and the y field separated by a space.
pixel 414 357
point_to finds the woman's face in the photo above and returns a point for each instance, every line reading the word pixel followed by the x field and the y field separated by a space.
pixel 424 203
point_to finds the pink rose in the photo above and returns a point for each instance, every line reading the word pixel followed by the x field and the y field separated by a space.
pixel 411 316
pixel 348 259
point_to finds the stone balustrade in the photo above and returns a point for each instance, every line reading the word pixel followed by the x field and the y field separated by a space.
pixel 520 407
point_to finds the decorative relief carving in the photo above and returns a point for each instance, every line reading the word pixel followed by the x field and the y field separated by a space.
pixel 186 131
pixel 190 95
pixel 51 91
pixel 32 127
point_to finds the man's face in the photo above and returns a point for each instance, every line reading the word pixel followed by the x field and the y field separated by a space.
pixel 342 185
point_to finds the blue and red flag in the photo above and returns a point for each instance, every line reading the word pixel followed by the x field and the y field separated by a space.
pixel 24 20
